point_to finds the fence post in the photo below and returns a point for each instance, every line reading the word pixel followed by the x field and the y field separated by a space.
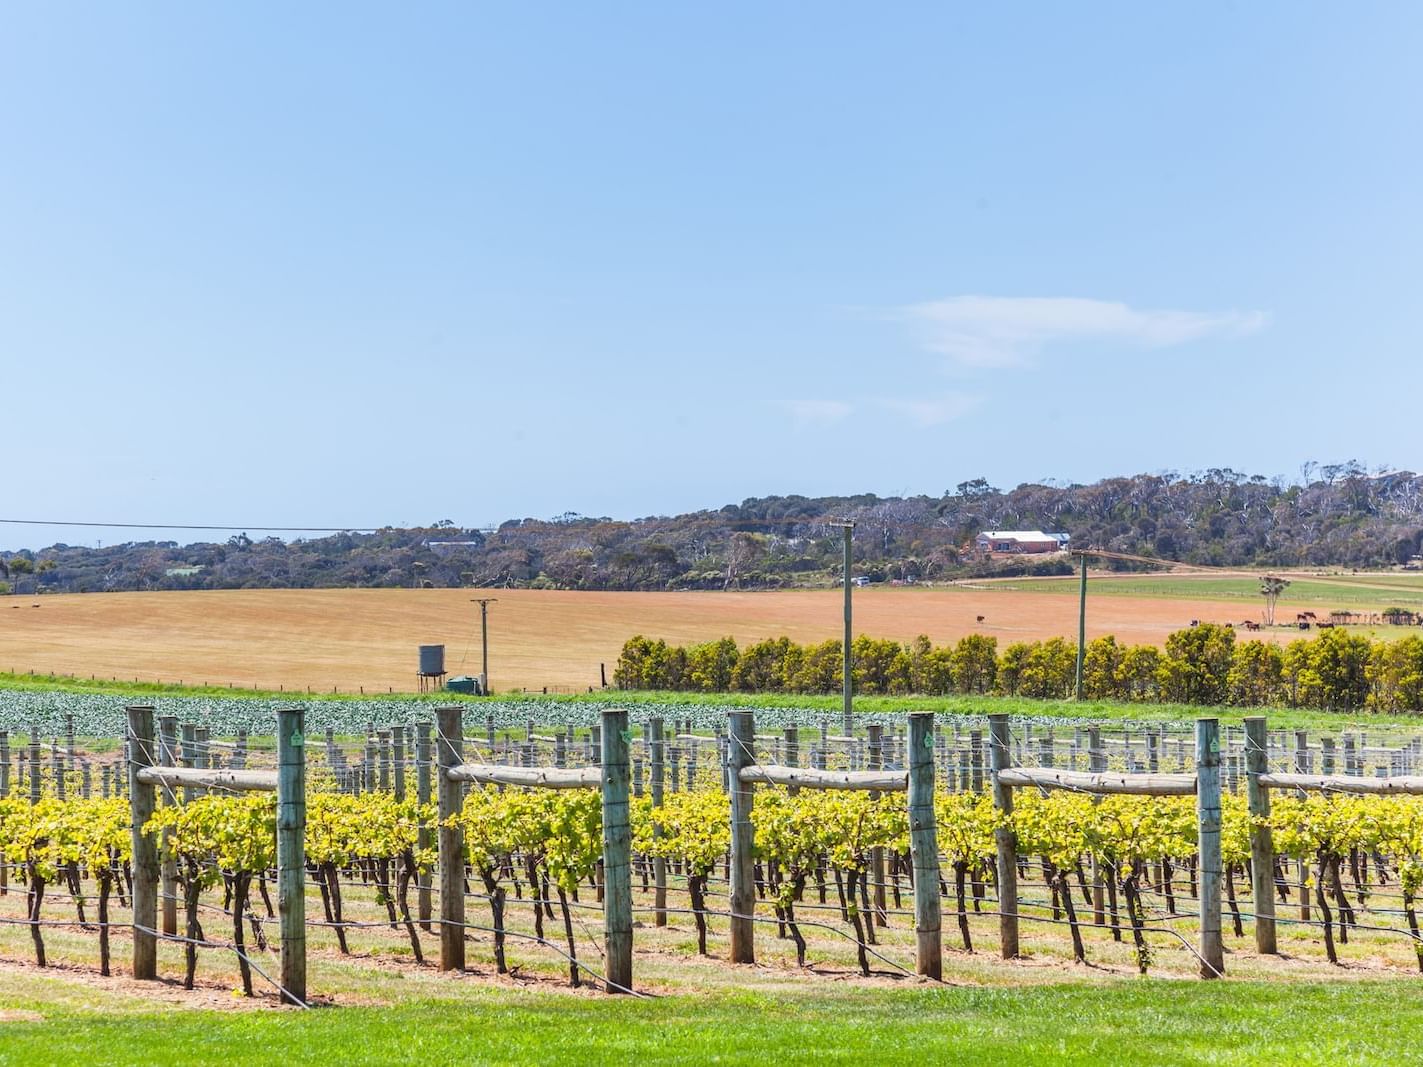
pixel 741 752
pixel 449 743
pixel 924 847
pixel 4 793
pixel 397 759
pixel 1302 767
pixel 1208 834
pixel 422 795
pixel 145 849
pixel 291 850
pixel 659 863
pixel 617 853
pixel 168 757
pixel 1262 845
pixel 1000 759
pixel 36 781
pixel 876 763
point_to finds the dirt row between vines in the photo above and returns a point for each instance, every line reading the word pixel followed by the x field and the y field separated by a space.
pixel 368 637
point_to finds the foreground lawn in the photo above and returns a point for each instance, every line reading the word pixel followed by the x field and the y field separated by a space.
pixel 43 1021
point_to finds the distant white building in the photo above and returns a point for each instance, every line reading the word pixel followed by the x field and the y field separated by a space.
pixel 1026 542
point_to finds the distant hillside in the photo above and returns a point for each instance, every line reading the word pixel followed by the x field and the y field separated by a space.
pixel 1343 517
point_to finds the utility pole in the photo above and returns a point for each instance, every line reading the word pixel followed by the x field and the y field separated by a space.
pixel 1081 626
pixel 847 682
pixel 484 603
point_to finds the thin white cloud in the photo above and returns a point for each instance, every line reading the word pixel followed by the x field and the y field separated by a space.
pixel 932 411
pixel 818 412
pixel 998 331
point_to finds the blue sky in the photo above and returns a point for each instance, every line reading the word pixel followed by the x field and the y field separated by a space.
pixel 343 265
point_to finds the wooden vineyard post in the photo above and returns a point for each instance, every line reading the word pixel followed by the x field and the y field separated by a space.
pixel 4 793
pixel 168 757
pixel 188 757
pixel 397 756
pixel 383 760
pixel 1262 846
pixel 35 779
pixel 1302 767
pixel 145 849
pixel 422 795
pixel 291 850
pixel 449 743
pixel 876 761
pixel 659 863
pixel 1000 759
pixel 617 853
pixel 924 847
pixel 1208 833
pixel 740 753
pixel 1096 764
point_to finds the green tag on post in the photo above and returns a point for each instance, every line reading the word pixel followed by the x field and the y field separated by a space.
pixel 297 740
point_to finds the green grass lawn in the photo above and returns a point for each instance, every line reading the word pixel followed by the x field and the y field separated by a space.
pixel 1136 1022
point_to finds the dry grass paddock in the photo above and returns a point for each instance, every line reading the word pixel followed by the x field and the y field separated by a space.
pixel 353 638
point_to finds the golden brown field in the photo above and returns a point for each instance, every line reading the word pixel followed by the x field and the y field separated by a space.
pixel 368 637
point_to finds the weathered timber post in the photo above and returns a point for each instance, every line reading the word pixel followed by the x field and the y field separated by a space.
pixel 422 795
pixel 924 847
pixel 201 737
pixel 1302 767
pixel 1097 764
pixel 397 756
pixel 5 793
pixel 1000 759
pixel 168 757
pixel 449 743
pixel 1262 846
pixel 72 757
pixel 188 756
pixel 617 853
pixel 741 753
pixel 145 849
pixel 383 758
pixel 659 863
pixel 291 850
pixel 1208 835
pixel 876 761
pixel 35 772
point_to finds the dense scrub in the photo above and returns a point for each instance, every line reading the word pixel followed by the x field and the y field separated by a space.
pixel 1340 516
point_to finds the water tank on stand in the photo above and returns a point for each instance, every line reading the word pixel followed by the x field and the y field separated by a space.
pixel 432 659
pixel 432 666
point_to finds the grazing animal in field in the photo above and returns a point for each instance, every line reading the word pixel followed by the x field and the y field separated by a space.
pixel 980 618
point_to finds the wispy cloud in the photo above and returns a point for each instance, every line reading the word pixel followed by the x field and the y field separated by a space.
pixel 818 412
pixel 932 411
pixel 999 331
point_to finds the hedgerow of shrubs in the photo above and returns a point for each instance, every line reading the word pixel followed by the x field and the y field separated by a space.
pixel 1203 664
